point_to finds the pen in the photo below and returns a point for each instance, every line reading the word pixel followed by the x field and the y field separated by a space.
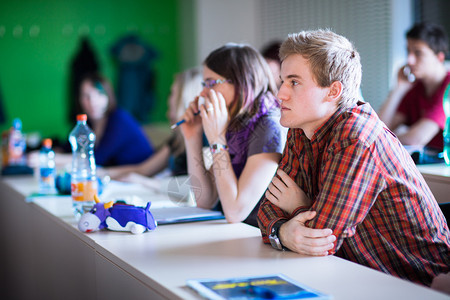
pixel 181 122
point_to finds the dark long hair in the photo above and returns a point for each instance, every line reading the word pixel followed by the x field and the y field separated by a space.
pixel 104 86
pixel 248 71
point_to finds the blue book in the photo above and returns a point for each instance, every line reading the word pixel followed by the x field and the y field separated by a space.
pixel 276 286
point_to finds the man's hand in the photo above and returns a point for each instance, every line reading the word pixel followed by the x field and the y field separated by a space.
pixel 285 193
pixel 304 240
pixel 405 76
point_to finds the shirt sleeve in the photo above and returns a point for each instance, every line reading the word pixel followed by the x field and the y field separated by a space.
pixel 268 137
pixel 435 111
pixel 406 101
pixel 123 142
pixel 351 183
pixel 414 106
pixel 269 213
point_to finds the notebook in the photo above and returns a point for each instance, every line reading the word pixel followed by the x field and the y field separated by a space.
pixel 183 214
pixel 277 286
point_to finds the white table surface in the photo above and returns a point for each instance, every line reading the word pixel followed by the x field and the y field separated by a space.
pixel 165 258
pixel 441 170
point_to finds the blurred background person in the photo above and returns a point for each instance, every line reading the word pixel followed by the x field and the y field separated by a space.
pixel 270 53
pixel 172 154
pixel 416 101
pixel 240 119
pixel 120 139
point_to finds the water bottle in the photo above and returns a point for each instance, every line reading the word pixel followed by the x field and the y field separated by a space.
pixel 446 103
pixel 47 172
pixel 16 145
pixel 84 184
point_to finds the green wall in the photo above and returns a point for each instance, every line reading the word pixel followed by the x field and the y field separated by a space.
pixel 39 38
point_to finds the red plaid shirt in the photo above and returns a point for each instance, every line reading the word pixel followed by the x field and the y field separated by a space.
pixel 366 188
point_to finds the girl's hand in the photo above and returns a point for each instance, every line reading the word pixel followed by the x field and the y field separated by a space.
pixel 215 118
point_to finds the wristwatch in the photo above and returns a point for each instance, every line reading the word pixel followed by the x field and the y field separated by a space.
pixel 274 236
pixel 217 148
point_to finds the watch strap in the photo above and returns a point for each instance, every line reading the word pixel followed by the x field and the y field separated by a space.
pixel 274 236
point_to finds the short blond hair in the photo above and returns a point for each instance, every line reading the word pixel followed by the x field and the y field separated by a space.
pixel 331 58
pixel 188 85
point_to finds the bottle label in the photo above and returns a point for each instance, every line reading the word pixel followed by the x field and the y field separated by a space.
pixel 84 190
pixel 16 153
pixel 48 176
pixel 47 172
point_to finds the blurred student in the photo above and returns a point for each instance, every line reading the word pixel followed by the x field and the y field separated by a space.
pixel 240 118
pixel 172 154
pixel 119 138
pixel 417 104
pixel 270 54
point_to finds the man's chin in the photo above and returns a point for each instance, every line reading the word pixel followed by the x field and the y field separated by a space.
pixel 284 123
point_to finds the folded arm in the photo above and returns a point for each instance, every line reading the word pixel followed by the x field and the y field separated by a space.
pixel 388 111
pixel 349 188
pixel 239 197
pixel 351 182
pixel 420 133
pixel 149 167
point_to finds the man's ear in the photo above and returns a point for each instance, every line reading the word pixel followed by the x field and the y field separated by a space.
pixel 335 91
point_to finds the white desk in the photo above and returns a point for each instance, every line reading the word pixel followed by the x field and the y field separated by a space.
pixel 437 177
pixel 44 256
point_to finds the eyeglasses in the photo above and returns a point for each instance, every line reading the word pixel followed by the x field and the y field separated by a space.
pixel 210 83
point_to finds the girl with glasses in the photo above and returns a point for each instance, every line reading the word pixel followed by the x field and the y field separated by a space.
pixel 240 119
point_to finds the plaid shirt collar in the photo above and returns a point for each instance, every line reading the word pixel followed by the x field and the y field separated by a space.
pixel 319 137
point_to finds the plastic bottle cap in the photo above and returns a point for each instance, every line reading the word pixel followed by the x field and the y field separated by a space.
pixel 82 117
pixel 47 143
pixel 17 124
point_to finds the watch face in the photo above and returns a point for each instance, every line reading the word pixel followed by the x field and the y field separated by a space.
pixel 274 241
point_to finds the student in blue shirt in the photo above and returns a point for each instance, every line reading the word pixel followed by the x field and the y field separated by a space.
pixel 171 155
pixel 119 138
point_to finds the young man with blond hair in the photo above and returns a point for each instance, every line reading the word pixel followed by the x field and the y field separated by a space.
pixel 345 185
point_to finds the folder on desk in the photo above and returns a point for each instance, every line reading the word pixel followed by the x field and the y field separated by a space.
pixel 277 286
pixel 183 214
